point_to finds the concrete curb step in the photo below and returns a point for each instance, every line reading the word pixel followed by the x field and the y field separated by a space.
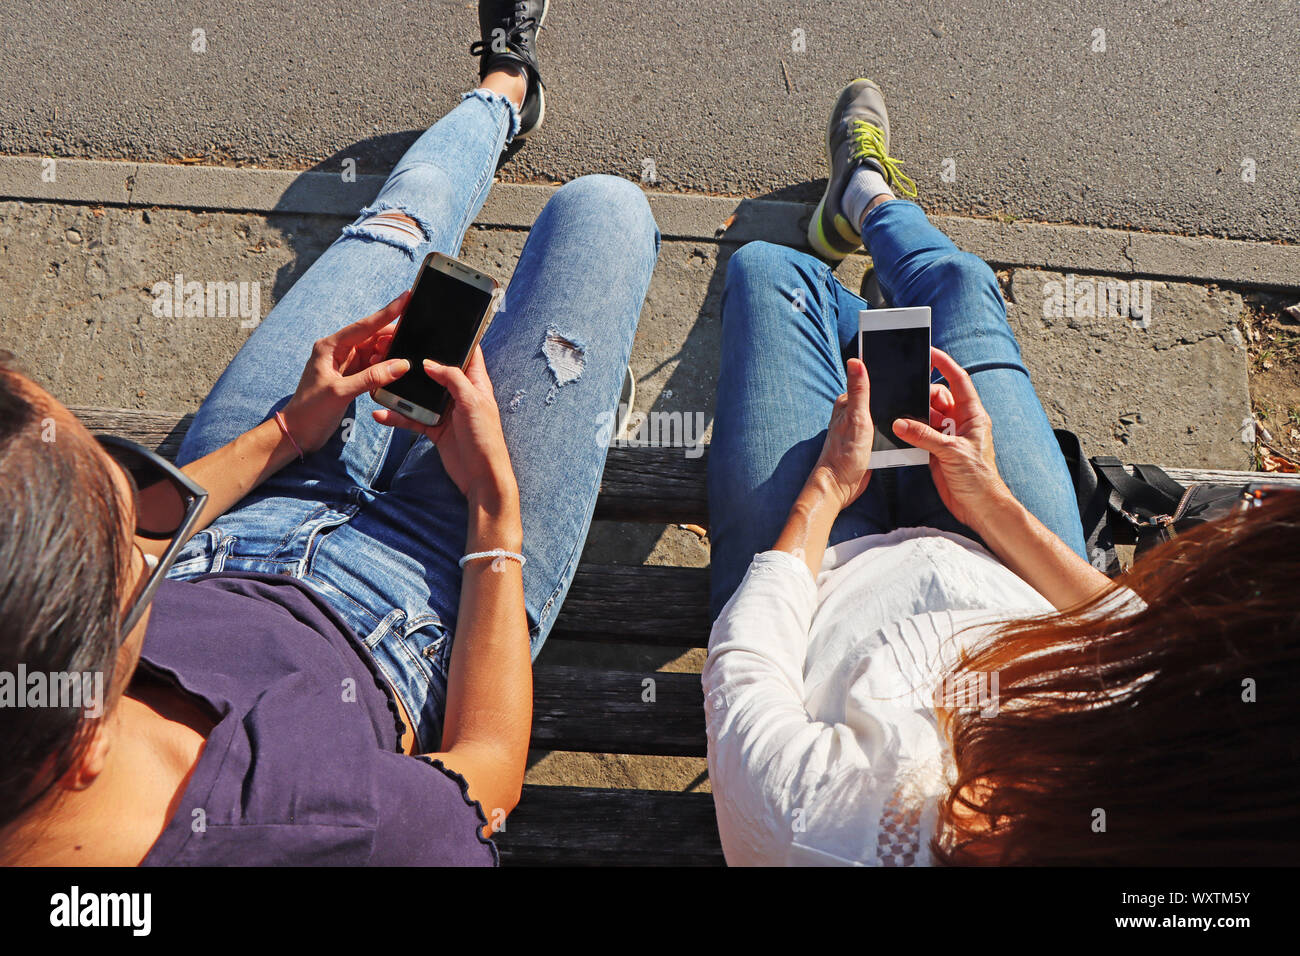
pixel 680 216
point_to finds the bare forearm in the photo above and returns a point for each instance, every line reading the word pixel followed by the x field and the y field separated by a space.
pixel 808 528
pixel 490 679
pixel 1035 554
pixel 236 468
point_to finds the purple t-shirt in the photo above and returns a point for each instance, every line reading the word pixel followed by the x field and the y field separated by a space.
pixel 303 765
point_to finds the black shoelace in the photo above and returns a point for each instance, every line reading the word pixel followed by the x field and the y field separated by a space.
pixel 515 28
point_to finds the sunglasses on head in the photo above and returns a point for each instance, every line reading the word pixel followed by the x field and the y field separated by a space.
pixel 168 504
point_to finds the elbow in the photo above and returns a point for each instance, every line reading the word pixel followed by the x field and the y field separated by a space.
pixel 496 809
pixel 511 795
pixel 507 790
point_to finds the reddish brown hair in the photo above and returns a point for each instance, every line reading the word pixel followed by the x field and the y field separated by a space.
pixel 1146 717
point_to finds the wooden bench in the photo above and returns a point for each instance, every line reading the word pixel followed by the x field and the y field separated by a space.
pixel 601 711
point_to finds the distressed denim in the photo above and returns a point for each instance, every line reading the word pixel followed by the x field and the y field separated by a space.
pixel 371 521
pixel 788 326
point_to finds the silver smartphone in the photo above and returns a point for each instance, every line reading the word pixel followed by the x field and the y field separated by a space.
pixel 894 345
pixel 450 308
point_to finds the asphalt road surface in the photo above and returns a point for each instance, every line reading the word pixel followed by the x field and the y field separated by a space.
pixel 1171 116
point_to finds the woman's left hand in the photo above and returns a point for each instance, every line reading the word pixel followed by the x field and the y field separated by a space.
pixel 342 366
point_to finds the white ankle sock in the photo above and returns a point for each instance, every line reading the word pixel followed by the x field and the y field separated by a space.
pixel 864 185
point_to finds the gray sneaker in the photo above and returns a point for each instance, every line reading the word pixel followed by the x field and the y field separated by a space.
pixel 858 133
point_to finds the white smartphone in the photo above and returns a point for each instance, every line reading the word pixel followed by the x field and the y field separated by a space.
pixel 894 344
pixel 450 308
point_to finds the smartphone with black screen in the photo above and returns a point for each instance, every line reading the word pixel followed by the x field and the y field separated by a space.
pixel 894 344
pixel 450 308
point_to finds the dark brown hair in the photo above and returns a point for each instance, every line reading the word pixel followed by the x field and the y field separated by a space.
pixel 1164 735
pixel 62 556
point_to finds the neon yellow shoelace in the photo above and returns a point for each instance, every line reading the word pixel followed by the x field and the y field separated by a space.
pixel 869 143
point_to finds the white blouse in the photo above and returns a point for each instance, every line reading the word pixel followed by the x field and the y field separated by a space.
pixel 823 743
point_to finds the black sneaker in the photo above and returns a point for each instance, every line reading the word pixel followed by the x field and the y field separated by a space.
pixel 509 29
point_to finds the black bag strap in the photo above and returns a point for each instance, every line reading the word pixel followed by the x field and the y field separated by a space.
pixel 1084 478
pixel 1140 497
pixel 1155 475
pixel 1093 501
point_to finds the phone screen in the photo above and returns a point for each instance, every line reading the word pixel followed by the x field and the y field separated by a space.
pixel 439 323
pixel 894 344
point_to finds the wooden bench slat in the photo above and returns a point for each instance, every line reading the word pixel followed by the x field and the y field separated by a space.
pixel 602 711
pixel 1186 476
pixel 654 484
pixel 577 826
pixel 639 484
pixel 636 604
pixel 161 431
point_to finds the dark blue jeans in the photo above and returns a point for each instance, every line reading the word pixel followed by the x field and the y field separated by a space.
pixel 787 327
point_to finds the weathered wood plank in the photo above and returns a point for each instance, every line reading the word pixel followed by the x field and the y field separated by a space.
pixel 161 431
pixel 662 477
pixel 639 484
pixel 576 826
pixel 654 484
pixel 637 604
pixel 599 711
pixel 1186 476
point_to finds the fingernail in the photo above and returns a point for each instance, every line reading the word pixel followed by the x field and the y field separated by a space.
pixel 397 366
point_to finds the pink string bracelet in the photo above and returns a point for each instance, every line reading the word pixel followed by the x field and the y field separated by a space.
pixel 279 417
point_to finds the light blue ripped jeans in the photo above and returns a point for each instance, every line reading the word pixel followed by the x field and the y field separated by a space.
pixel 371 521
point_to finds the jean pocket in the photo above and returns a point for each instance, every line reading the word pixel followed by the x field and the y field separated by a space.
pixel 426 645
pixel 416 647
pixel 204 552
pixel 430 643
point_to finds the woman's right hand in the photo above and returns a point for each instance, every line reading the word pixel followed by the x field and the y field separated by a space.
pixel 959 439
pixel 469 437
pixel 844 466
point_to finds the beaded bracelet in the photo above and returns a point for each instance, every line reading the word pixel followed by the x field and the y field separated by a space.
pixel 494 553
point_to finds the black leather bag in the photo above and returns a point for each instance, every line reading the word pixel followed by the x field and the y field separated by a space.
pixel 1155 508
pixel 1143 509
